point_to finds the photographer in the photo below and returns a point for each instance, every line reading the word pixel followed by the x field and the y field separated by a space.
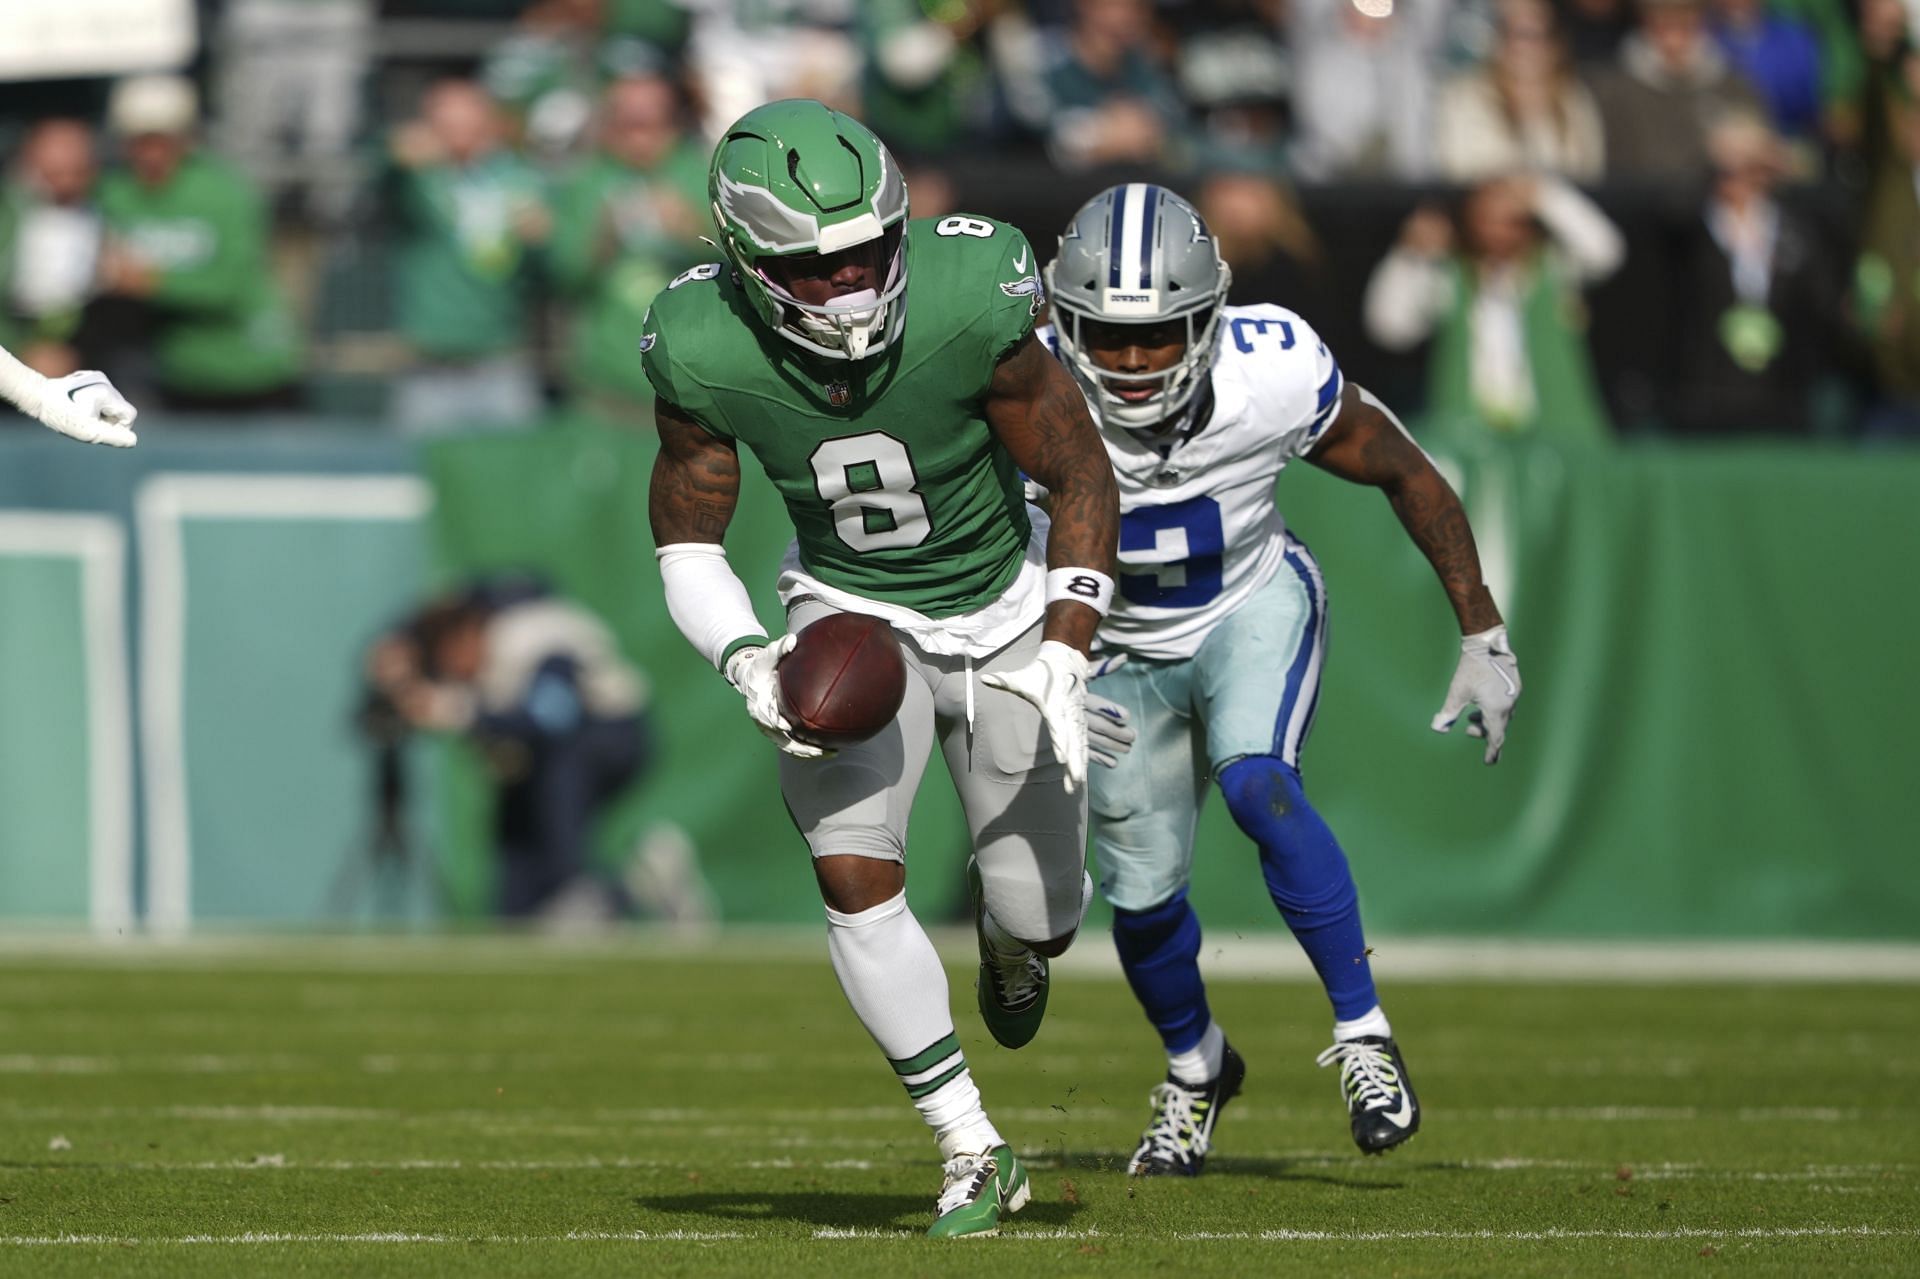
pixel 557 714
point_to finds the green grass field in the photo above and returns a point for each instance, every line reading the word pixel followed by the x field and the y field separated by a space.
pixel 503 1107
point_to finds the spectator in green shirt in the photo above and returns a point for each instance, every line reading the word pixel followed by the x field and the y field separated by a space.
pixel 627 222
pixel 187 255
pixel 472 216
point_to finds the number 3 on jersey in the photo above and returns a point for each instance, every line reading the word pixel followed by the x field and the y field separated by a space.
pixel 869 482
pixel 1170 555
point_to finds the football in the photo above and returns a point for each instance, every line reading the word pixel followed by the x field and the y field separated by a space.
pixel 843 681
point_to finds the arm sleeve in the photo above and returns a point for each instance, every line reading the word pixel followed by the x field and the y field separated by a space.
pixel 20 384
pixel 1405 298
pixel 708 601
pixel 1592 244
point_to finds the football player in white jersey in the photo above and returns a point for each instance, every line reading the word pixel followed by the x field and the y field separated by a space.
pixel 81 405
pixel 1221 621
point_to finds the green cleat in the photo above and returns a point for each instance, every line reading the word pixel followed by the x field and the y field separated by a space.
pixel 1013 996
pixel 980 1191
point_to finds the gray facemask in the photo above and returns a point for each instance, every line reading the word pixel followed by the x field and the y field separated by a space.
pixel 1138 254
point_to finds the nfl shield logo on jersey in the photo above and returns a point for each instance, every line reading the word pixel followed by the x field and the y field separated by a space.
pixel 839 394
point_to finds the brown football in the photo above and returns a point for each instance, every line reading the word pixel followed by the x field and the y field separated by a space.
pixel 843 681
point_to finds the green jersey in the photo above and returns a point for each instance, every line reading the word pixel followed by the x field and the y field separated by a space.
pixel 897 488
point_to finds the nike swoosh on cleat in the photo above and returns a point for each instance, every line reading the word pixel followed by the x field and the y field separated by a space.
pixel 1020 263
pixel 1400 1117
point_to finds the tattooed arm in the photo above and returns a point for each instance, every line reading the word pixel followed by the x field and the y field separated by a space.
pixel 1367 445
pixel 1037 412
pixel 696 481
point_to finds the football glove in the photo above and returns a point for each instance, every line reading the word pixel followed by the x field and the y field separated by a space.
pixel 1110 732
pixel 1056 682
pixel 1488 677
pixel 752 671
pixel 85 407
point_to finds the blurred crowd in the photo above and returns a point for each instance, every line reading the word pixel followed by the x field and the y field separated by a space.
pixel 453 216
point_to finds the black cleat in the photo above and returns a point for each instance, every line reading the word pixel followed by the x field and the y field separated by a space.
pixel 1379 1096
pixel 1176 1142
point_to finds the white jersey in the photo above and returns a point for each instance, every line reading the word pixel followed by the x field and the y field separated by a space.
pixel 1199 531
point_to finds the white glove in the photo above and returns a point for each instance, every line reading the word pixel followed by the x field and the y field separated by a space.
pixel 1488 676
pixel 1109 729
pixel 85 406
pixel 751 670
pixel 1055 681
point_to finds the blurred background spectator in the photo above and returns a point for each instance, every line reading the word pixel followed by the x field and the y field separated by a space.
pixel 552 69
pixel 925 85
pixel 1779 57
pixel 538 685
pixel 1524 109
pixel 1498 292
pixel 50 236
pixel 1235 71
pixel 289 76
pixel 185 272
pixel 629 220
pixel 1887 277
pixel 1113 103
pixel 1669 82
pixel 471 215
pixel 1757 345
pixel 468 206
pixel 1364 77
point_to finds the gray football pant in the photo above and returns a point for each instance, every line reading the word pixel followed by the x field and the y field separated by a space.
pixel 1029 834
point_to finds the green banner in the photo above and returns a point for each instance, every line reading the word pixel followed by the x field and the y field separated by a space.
pixel 1711 743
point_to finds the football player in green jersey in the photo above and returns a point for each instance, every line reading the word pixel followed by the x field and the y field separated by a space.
pixel 885 375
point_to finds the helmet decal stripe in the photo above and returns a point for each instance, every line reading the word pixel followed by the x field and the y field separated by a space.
pixel 1114 227
pixel 1149 220
pixel 1133 232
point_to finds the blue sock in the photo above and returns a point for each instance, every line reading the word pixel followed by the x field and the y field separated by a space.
pixel 1307 876
pixel 1160 951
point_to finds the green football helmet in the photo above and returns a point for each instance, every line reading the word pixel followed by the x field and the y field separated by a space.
pixel 793 181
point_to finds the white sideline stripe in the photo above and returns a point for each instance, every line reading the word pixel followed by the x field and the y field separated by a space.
pixel 100 545
pixel 162 505
pixel 1510 959
pixel 1274 958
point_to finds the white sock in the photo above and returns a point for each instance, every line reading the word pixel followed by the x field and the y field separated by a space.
pixel 1201 1063
pixel 898 990
pixel 1372 1022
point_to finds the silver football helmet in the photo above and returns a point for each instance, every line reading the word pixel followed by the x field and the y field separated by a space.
pixel 1138 254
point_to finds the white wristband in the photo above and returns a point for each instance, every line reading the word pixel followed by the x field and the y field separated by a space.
pixel 1082 585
